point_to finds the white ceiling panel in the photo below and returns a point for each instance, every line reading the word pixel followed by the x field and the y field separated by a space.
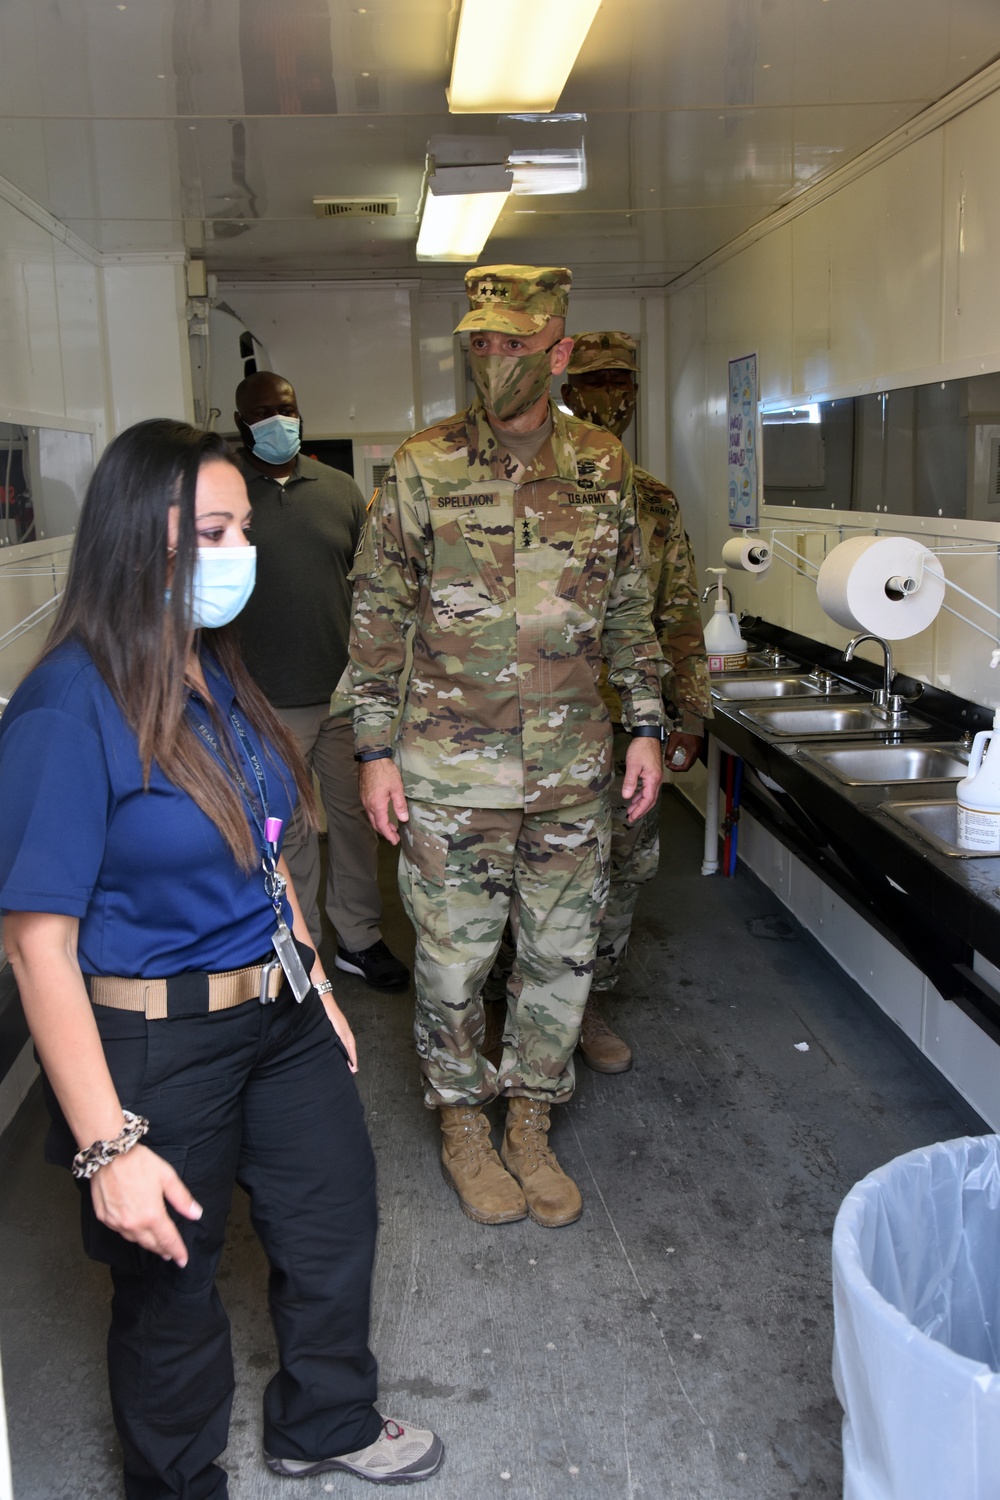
pixel 154 124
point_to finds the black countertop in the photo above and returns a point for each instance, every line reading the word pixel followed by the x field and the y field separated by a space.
pixel 933 907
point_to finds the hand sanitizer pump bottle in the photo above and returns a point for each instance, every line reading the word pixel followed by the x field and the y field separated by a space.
pixel 726 648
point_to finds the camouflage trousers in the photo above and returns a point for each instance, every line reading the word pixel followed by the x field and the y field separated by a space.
pixel 635 858
pixel 462 873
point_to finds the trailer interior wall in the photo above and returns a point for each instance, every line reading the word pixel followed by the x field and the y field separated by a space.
pixel 92 344
pixel 889 281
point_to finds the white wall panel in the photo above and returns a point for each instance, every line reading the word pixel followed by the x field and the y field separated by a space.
pixel 750 309
pixel 806 892
pixel 81 313
pixel 962 1051
pixel 687 414
pixel 859 292
pixel 866 279
pixel 348 351
pixel 145 311
pixel 440 379
pixel 766 856
pixel 30 370
pixel 971 233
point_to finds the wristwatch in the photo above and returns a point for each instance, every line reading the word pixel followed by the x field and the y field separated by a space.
pixel 648 732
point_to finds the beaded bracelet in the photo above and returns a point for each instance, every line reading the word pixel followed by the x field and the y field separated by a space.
pixel 324 987
pixel 92 1158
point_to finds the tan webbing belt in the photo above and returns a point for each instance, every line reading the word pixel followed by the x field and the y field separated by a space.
pixel 149 996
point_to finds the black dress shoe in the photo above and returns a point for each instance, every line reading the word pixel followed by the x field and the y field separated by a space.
pixel 376 965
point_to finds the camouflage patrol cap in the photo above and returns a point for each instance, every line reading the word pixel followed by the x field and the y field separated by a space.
pixel 602 351
pixel 515 299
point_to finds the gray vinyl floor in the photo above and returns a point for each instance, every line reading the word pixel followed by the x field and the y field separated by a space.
pixel 674 1343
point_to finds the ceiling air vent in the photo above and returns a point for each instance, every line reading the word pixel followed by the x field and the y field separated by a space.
pixel 355 208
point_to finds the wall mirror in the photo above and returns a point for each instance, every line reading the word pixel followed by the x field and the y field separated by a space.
pixel 44 473
pixel 925 450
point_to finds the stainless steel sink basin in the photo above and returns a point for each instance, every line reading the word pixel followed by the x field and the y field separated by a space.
pixel 744 686
pixel 871 765
pixel 937 822
pixel 823 719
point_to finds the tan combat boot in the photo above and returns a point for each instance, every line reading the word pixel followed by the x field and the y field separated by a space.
pixel 553 1198
pixel 602 1049
pixel 486 1192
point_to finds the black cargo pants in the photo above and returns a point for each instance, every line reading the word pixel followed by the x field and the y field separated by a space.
pixel 260 1095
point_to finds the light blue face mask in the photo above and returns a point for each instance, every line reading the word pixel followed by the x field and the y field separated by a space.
pixel 277 439
pixel 221 584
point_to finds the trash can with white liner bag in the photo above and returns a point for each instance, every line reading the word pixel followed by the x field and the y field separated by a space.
pixel 916 1296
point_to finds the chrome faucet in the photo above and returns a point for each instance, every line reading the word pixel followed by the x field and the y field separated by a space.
pixel 881 695
pixel 891 703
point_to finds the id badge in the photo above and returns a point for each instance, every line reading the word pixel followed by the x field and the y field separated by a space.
pixel 288 957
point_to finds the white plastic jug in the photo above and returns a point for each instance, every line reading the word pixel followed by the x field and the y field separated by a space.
pixel 979 793
pixel 726 648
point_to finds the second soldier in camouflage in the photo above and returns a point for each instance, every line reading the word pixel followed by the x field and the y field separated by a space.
pixel 601 388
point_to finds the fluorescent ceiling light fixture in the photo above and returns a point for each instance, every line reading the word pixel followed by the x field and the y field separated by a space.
pixel 461 206
pixel 549 170
pixel 515 58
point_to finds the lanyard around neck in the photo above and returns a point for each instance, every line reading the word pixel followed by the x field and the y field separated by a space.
pixel 267 827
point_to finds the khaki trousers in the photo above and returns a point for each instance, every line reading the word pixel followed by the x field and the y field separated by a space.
pixel 353 901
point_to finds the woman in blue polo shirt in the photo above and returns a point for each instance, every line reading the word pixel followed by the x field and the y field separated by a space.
pixel 188 1036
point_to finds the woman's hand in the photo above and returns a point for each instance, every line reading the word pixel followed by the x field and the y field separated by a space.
pixel 343 1030
pixel 131 1192
pixel 130 1195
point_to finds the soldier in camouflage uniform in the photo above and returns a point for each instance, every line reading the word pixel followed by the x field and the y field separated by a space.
pixel 504 542
pixel 601 388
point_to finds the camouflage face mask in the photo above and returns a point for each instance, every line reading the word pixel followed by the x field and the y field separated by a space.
pixel 510 383
pixel 608 408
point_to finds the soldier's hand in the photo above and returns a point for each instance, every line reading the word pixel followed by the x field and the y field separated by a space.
pixel 381 788
pixel 643 775
pixel 681 750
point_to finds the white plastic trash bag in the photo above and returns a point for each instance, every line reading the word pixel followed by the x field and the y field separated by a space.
pixel 916 1296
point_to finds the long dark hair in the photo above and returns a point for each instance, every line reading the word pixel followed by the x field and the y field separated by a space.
pixel 115 604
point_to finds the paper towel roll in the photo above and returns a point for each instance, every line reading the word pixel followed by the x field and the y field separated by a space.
pixel 885 584
pixel 748 553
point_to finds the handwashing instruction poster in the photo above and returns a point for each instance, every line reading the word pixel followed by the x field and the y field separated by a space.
pixel 742 434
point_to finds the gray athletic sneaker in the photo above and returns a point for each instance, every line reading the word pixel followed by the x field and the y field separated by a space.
pixel 399 1455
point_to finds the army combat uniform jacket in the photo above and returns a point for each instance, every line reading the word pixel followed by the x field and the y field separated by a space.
pixel 516 583
pixel 673 582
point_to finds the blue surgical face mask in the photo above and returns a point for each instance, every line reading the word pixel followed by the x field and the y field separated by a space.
pixel 277 439
pixel 221 584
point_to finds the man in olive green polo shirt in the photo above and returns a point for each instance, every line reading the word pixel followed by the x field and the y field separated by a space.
pixel 307 519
